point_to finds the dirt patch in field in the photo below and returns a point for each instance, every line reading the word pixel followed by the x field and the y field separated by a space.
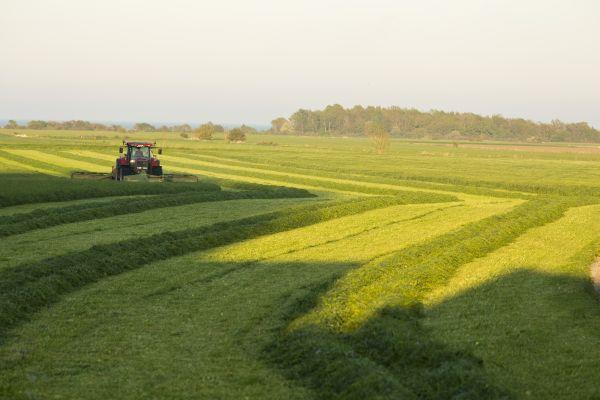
pixel 595 271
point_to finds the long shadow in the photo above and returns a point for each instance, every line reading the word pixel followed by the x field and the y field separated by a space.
pixel 522 324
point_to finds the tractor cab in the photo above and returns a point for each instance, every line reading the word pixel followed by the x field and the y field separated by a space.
pixel 137 162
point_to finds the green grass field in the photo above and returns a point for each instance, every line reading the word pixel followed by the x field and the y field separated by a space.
pixel 314 269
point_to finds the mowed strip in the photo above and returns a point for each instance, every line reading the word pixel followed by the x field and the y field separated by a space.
pixel 527 310
pixel 204 172
pixel 359 238
pixel 17 166
pixel 57 160
pixel 39 244
pixel 185 160
pixel 316 179
pixel 201 307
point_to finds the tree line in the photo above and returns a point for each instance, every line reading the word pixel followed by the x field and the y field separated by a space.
pixel 202 132
pixel 414 124
pixel 80 125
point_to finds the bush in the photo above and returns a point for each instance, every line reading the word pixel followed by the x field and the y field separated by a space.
pixel 236 135
pixel 204 131
pixel 184 135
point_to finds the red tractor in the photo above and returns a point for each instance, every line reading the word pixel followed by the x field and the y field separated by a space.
pixel 138 163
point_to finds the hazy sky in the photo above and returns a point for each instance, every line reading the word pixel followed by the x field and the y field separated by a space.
pixel 251 61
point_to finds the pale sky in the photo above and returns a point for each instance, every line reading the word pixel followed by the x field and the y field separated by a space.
pixel 250 61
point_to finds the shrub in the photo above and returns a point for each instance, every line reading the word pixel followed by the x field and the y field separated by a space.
pixel 236 135
pixel 204 131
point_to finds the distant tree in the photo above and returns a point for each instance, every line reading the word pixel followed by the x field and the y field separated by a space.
pixel 248 130
pixel 204 131
pixel 164 128
pixel 434 124
pixel 37 124
pixel 287 128
pixel 236 135
pixel 182 128
pixel 143 127
pixel 117 128
pixel 217 127
pixel 277 124
pixel 377 132
pixel 12 124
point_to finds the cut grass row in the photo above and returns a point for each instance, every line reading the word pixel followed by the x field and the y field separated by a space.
pixel 220 306
pixel 27 189
pixel 59 240
pixel 307 179
pixel 528 310
pixel 370 323
pixel 41 219
pixel 27 288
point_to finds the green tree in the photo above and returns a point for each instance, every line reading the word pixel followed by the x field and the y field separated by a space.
pixel 37 124
pixel 143 127
pixel 204 131
pixel 12 124
pixel 236 135
pixel 277 124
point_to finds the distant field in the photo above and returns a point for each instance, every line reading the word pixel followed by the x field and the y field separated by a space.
pixel 310 269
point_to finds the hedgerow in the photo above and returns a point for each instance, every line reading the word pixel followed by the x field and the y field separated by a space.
pixel 26 288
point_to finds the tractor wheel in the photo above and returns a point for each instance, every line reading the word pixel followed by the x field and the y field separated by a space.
pixel 157 171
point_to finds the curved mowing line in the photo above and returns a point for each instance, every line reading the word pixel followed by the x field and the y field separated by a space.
pixel 56 160
pixel 184 160
pixel 46 218
pixel 315 179
pixel 21 166
pixel 177 169
pixel 27 288
pixel 365 335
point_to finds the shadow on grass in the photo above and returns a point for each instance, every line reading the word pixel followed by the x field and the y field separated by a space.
pixel 527 319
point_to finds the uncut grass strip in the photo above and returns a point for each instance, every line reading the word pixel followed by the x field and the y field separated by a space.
pixel 42 219
pixel 27 288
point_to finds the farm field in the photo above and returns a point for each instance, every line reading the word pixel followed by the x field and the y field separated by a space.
pixel 310 269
